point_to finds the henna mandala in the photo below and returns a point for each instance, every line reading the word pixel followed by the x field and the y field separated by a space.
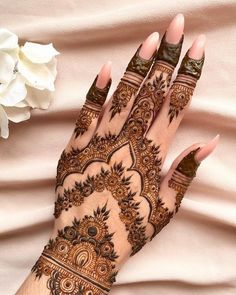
pixel 81 259
pixel 112 180
pixel 183 176
pixel 95 99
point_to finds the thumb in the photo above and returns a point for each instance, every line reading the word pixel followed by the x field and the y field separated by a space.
pixel 182 171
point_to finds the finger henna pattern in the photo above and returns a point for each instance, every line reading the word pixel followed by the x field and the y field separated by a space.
pixel 183 176
pixel 130 83
pixel 184 85
pixel 81 259
pixel 95 99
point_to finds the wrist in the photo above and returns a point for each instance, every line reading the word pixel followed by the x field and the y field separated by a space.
pixel 81 258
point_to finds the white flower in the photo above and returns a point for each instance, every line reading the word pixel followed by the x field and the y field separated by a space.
pixel 27 76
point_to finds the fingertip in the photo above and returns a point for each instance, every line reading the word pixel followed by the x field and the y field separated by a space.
pixel 196 51
pixel 149 46
pixel 207 149
pixel 104 75
pixel 175 29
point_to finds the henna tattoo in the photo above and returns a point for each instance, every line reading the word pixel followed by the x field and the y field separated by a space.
pixel 81 259
pixel 184 85
pixel 181 93
pixel 95 99
pixel 145 155
pixel 136 70
pixel 183 176
pixel 112 180
pixel 169 52
pixel 192 67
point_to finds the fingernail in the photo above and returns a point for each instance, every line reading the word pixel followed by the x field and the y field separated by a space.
pixel 197 49
pixel 149 46
pixel 104 75
pixel 175 29
pixel 207 149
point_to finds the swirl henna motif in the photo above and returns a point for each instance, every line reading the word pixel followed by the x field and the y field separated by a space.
pixel 81 259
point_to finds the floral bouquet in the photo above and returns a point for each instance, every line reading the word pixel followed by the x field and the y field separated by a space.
pixel 27 76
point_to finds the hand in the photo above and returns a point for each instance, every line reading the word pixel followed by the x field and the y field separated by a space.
pixel 110 197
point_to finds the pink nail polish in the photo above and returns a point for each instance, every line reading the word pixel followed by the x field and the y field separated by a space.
pixel 197 49
pixel 207 149
pixel 175 29
pixel 149 46
pixel 104 75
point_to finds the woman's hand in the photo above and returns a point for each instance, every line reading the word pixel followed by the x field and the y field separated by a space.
pixel 110 198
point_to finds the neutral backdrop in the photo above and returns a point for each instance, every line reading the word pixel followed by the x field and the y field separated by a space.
pixel 196 253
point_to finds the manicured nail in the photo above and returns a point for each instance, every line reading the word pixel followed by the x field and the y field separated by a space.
pixel 175 30
pixel 104 75
pixel 197 49
pixel 207 149
pixel 149 46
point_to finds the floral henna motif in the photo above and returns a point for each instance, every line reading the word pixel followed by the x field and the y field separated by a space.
pixel 81 259
pixel 95 99
pixel 145 155
pixel 114 181
pixel 184 85
pixel 183 176
pixel 181 92
pixel 135 72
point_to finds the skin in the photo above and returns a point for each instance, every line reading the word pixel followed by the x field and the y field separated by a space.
pixel 160 132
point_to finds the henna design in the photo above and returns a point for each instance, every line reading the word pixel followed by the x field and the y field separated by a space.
pixel 181 93
pixel 145 155
pixel 184 85
pixel 183 176
pixel 81 259
pixel 114 181
pixel 192 67
pixel 136 70
pixel 169 52
pixel 95 99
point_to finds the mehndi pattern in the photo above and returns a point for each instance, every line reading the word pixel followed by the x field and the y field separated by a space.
pixel 81 259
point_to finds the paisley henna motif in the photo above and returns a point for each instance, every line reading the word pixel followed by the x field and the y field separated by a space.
pixel 95 99
pixel 183 176
pixel 81 259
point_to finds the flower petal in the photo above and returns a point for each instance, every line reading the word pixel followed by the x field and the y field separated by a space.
pixel 4 131
pixel 17 115
pixel 15 92
pixel 7 65
pixel 37 75
pixel 39 53
pixel 8 40
pixel 38 98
